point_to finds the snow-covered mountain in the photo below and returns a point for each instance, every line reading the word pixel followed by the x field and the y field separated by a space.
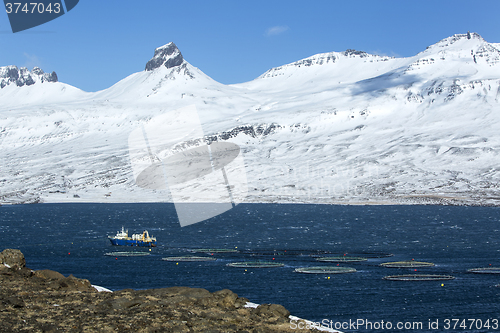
pixel 339 127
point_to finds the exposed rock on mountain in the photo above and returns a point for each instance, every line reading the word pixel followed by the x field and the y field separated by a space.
pixel 22 76
pixel 168 55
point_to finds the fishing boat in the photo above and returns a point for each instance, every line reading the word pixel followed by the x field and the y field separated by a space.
pixel 122 238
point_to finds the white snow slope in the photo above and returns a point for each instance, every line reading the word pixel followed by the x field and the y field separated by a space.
pixel 340 127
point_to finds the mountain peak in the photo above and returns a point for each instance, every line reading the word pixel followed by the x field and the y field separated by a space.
pixel 167 55
pixel 22 76
pixel 459 37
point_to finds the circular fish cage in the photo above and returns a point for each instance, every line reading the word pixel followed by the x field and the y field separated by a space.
pixel 407 264
pixel 485 270
pixel 341 259
pixel 127 254
pixel 214 250
pixel 325 270
pixel 285 252
pixel 255 264
pixel 188 258
pixel 418 277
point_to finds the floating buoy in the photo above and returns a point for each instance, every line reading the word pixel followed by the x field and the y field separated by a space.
pixel 177 263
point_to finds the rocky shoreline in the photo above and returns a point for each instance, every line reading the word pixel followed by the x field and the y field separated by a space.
pixel 47 301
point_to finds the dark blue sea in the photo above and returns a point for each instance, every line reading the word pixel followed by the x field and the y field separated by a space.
pixel 72 239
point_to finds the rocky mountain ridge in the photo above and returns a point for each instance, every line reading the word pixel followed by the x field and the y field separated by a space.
pixel 22 76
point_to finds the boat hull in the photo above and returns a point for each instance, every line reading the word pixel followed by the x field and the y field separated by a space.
pixel 130 242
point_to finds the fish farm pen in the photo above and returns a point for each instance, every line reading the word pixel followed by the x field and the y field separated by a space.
pixel 214 250
pixel 418 277
pixel 189 258
pixel 485 270
pixel 342 259
pixel 127 254
pixel 255 264
pixel 325 270
pixel 407 264
pixel 315 253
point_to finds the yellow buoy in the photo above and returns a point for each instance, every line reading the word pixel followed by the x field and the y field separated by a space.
pixel 442 284
pixel 328 278
pixel 177 263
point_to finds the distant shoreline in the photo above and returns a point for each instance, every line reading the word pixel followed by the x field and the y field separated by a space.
pixel 404 200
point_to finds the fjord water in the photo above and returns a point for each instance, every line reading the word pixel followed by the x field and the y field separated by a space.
pixel 72 239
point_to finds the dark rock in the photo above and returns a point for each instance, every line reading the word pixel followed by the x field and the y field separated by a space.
pixel 121 303
pixel 52 77
pixel 4 270
pixel 72 283
pixel 37 71
pixel 25 271
pixel 48 274
pixel 13 258
pixel 14 301
pixel 9 74
pixel 167 55
pixel 351 52
pixel 226 298
pixel 272 310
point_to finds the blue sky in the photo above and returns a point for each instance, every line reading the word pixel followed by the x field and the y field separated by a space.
pixel 99 43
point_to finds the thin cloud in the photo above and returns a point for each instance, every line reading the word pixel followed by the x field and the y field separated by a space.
pixel 276 30
pixel 386 54
pixel 31 61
